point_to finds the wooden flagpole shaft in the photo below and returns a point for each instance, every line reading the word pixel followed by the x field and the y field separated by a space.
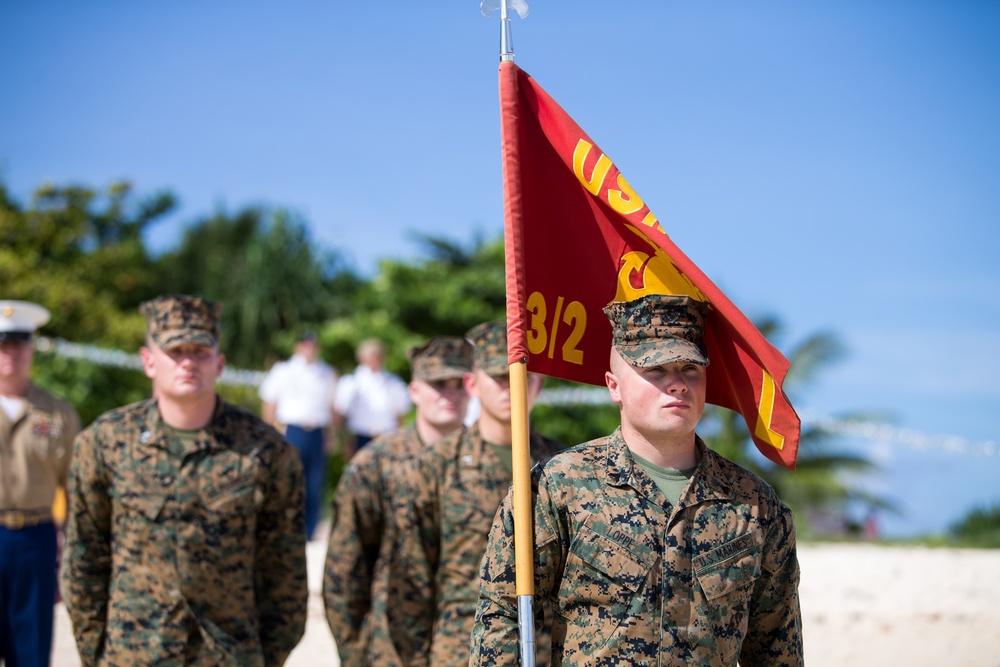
pixel 524 538
pixel 524 551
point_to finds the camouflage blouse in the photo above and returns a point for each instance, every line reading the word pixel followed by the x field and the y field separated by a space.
pixel 446 503
pixel 361 541
pixel 633 580
pixel 184 551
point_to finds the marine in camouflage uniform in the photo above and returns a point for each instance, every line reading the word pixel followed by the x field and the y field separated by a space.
pixel 361 540
pixel 185 541
pixel 447 499
pixel 635 578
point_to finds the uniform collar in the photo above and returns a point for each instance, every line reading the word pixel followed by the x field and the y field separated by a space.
pixel 154 431
pixel 479 451
pixel 708 482
pixel 474 457
pixel 31 398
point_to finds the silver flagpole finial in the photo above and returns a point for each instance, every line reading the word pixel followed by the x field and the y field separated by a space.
pixel 487 7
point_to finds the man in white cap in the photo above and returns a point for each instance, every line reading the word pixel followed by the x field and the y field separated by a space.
pixel 36 439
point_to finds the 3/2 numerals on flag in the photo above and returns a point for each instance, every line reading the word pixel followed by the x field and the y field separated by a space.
pixel 543 333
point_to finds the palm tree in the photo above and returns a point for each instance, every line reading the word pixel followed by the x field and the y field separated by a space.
pixel 826 480
pixel 271 278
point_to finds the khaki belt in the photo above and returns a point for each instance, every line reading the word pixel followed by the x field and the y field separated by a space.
pixel 18 519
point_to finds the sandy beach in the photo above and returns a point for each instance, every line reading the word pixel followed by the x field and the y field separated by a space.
pixel 862 605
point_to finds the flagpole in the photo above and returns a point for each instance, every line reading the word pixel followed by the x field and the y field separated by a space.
pixel 506 43
pixel 524 537
pixel 524 542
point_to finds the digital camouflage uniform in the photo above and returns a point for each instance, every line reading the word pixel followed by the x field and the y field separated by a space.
pixel 447 498
pixel 184 551
pixel 622 577
pixel 635 581
pixel 361 539
pixel 361 536
pixel 452 492
pixel 185 556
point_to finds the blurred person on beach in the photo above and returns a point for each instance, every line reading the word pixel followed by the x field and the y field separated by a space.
pixel 371 401
pixel 297 399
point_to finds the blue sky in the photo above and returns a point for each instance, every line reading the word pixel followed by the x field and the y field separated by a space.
pixel 834 163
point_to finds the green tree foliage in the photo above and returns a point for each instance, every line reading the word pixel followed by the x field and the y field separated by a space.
pixel 574 424
pixel 270 276
pixel 824 481
pixel 447 293
pixel 979 528
pixel 80 253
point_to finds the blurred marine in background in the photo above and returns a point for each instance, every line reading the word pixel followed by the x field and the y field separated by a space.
pixel 446 501
pixel 185 541
pixel 362 539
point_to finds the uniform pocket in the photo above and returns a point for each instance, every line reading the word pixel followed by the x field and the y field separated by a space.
pixel 600 583
pixel 141 493
pixel 465 532
pixel 726 576
pixel 733 566
pixel 44 439
pixel 466 514
pixel 139 496
pixel 235 496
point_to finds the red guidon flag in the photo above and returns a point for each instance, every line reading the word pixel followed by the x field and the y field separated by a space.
pixel 578 237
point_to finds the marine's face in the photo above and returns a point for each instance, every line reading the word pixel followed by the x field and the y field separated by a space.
pixel 493 392
pixel 183 373
pixel 658 402
pixel 441 403
pixel 15 359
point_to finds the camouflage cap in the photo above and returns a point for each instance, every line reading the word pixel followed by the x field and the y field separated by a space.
pixel 178 319
pixel 489 347
pixel 659 329
pixel 440 358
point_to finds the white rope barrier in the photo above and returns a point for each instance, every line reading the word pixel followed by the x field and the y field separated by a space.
pixel 567 396
pixel 120 359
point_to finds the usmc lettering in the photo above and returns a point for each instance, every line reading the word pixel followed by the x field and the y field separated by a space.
pixel 624 199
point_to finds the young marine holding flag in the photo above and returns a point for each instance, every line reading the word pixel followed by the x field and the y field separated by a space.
pixel 642 547
pixel 650 548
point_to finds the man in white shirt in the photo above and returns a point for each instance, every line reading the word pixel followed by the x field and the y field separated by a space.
pixel 297 396
pixel 371 401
